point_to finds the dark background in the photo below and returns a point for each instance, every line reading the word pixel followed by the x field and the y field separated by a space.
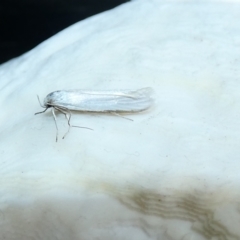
pixel 26 23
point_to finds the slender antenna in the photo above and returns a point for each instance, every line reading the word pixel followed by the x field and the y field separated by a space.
pixel 40 102
pixel 55 119
pixel 46 108
pixel 42 111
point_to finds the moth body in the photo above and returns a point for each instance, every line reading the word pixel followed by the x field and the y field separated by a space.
pixel 100 101
pixel 66 101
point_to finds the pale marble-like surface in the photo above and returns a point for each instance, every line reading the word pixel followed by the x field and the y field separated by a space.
pixel 172 173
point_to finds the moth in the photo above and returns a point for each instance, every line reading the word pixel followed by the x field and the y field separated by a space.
pixel 112 101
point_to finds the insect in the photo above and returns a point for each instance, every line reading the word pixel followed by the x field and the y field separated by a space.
pixel 96 101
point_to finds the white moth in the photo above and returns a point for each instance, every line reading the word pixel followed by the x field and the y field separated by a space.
pixel 96 101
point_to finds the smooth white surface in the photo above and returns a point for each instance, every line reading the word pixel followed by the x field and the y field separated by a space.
pixel 173 173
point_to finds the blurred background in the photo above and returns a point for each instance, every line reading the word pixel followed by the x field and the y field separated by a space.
pixel 26 23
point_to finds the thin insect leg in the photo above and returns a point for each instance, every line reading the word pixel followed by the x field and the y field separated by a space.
pixel 55 119
pixel 62 111
pixel 82 127
pixel 42 111
pixel 119 115
pixel 68 115
pixel 77 126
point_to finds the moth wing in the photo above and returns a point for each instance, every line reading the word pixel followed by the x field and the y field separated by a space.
pixel 104 101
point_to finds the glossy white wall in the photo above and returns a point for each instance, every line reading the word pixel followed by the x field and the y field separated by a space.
pixel 172 173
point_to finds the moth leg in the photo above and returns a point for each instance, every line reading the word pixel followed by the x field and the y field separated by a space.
pixel 119 115
pixel 55 120
pixel 68 115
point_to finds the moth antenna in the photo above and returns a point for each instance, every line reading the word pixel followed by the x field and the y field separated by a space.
pixel 40 102
pixel 42 111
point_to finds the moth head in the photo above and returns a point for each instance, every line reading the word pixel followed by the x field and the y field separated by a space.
pixel 51 98
pixel 47 102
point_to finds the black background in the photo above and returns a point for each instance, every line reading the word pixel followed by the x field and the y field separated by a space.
pixel 26 23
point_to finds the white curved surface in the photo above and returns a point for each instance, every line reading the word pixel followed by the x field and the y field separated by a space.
pixel 173 173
